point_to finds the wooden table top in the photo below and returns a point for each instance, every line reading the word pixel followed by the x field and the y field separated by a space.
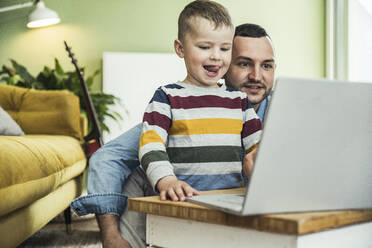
pixel 295 223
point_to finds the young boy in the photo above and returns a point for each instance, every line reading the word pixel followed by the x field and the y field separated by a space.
pixel 193 130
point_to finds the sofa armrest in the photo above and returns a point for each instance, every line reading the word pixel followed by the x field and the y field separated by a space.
pixel 43 111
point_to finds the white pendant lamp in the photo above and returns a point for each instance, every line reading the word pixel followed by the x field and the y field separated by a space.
pixel 42 16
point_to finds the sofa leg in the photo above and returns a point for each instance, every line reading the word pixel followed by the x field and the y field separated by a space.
pixel 67 214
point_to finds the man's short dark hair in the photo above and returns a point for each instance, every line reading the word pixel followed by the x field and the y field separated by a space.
pixel 250 30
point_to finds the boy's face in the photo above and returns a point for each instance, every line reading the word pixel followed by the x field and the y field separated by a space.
pixel 206 51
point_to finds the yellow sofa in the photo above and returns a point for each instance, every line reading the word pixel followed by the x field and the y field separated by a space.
pixel 40 172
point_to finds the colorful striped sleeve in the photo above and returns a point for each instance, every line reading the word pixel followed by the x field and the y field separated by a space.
pixel 152 147
pixel 252 126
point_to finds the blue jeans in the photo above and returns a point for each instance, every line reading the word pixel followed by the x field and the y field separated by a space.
pixel 109 168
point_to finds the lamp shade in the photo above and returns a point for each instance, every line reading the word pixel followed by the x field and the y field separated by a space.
pixel 42 16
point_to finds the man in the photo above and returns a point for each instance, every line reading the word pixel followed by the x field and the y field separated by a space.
pixel 252 71
pixel 252 65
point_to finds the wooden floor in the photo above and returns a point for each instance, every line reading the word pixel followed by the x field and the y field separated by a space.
pixel 85 234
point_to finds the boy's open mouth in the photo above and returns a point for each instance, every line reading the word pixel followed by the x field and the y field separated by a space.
pixel 211 68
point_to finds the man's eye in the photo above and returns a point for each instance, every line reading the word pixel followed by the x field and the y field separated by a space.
pixel 267 66
pixel 245 64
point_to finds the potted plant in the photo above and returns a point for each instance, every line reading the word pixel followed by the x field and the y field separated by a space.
pixel 56 79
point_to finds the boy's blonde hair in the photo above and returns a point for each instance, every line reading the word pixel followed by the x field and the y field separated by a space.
pixel 212 11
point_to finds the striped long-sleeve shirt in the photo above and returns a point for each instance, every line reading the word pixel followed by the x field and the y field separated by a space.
pixel 196 134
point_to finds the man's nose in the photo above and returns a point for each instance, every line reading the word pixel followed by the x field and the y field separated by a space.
pixel 255 73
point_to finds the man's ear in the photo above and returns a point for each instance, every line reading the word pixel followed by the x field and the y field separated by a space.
pixel 178 48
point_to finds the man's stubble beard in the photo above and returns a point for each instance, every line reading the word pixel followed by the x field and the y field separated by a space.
pixel 250 82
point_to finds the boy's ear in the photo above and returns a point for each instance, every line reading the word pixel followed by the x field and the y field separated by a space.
pixel 178 48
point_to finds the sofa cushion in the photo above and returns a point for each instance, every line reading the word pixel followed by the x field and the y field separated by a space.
pixel 7 125
pixel 42 111
pixel 32 166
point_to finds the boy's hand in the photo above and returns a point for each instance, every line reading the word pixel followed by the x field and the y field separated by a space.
pixel 249 162
pixel 177 190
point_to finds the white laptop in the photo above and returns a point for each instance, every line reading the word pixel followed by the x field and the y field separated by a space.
pixel 315 153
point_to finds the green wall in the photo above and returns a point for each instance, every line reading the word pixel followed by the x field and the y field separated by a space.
pixel 297 28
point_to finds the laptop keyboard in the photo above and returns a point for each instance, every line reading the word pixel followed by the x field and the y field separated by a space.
pixel 231 199
pixel 228 202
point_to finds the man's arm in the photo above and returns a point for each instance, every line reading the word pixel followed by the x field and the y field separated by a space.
pixel 248 162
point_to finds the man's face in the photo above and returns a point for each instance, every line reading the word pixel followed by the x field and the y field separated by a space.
pixel 252 68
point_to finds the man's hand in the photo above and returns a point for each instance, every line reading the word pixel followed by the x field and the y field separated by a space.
pixel 176 189
pixel 249 162
pixel 110 235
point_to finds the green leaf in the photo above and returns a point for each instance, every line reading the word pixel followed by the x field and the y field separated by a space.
pixel 96 72
pixel 89 82
pixel 110 115
pixel 104 127
pixel 118 116
pixel 22 71
pixel 5 70
pixel 5 80
pixel 58 67
pixel 47 71
pixel 8 70
pixel 14 80
pixel 59 78
pixel 43 79
pixel 38 85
